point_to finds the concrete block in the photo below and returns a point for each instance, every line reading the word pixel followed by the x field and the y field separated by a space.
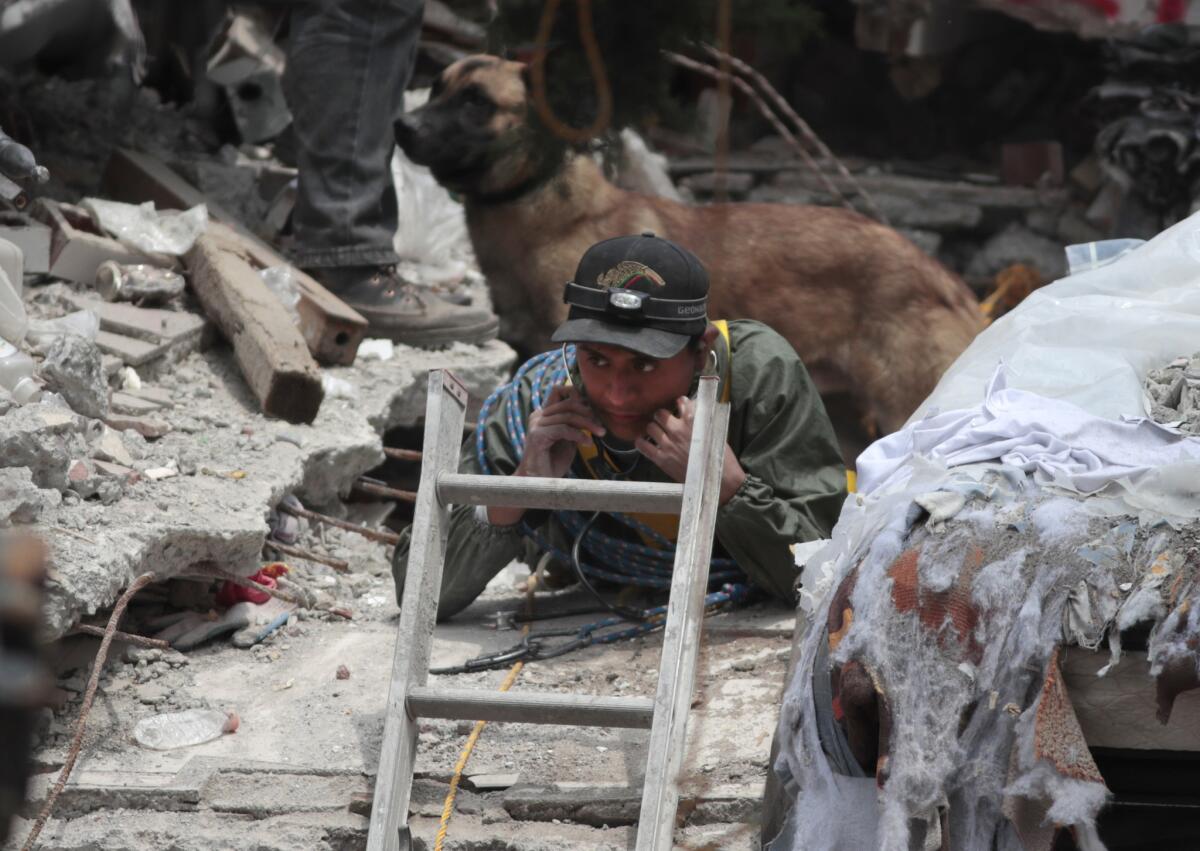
pixel 249 65
pixel 32 237
pixel 125 403
pixel 73 368
pixel 77 247
pixel 130 350
pixel 262 795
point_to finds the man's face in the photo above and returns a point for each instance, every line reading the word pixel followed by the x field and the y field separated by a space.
pixel 626 388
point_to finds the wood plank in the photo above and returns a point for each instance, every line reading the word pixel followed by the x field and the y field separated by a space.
pixel 444 414
pixel 685 615
pixel 581 710
pixel 130 350
pixel 272 355
pixel 573 494
pixel 331 328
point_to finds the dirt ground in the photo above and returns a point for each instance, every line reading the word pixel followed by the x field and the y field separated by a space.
pixel 299 769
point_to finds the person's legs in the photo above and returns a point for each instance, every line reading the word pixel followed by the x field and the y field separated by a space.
pixel 349 62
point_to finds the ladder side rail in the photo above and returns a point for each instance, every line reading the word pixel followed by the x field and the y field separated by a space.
pixel 685 616
pixel 444 415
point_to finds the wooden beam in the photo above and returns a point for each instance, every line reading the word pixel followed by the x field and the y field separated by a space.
pixel 270 351
pixel 331 328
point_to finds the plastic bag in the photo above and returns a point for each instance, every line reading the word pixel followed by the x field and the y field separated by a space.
pixel 1090 338
pixel 433 227
pixel 147 229
pixel 281 281
pixel 43 332
pixel 183 729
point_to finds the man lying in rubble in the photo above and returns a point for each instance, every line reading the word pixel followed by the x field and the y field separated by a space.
pixel 621 409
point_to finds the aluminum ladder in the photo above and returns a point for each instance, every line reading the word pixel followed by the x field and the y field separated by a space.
pixel 409 696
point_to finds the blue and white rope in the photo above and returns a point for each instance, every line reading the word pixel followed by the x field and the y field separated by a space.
pixel 625 562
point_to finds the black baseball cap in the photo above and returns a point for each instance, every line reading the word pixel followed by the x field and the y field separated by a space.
pixel 642 293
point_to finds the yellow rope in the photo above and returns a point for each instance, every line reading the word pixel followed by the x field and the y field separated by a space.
pixel 465 755
pixel 448 806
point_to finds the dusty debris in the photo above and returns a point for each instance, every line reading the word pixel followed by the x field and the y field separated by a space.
pixel 1017 244
pixel 331 329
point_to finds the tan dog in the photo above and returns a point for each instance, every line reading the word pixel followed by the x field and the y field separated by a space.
pixel 867 311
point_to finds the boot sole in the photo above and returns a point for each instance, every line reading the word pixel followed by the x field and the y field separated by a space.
pixel 426 338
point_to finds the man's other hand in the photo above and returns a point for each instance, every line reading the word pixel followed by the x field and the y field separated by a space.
pixel 667 442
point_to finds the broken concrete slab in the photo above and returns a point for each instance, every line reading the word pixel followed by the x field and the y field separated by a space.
pixel 121 830
pixel 204 514
pixel 129 350
pixel 44 437
pixel 22 501
pixel 125 403
pixel 261 795
pixel 158 395
pixel 150 428
pixel 173 327
pixel 72 368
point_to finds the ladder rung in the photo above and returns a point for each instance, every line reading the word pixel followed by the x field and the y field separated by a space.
pixel 574 494
pixel 578 710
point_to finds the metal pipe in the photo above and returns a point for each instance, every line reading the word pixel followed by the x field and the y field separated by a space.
pixel 371 534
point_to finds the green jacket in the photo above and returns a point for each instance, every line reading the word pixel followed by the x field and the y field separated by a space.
pixel 794 489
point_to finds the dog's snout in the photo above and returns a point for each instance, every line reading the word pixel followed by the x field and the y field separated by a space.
pixel 406 128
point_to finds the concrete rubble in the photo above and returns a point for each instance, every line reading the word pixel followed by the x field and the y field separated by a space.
pixel 233 464
pixel 1173 394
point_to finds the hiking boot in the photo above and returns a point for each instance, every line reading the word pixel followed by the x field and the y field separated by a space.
pixel 399 311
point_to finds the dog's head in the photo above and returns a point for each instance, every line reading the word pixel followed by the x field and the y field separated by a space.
pixel 476 134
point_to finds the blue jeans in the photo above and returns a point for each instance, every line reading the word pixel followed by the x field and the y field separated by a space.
pixel 349 62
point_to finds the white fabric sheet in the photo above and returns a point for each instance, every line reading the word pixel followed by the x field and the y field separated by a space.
pixel 1057 442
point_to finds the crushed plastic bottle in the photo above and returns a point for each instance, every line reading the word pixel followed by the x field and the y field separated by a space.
pixel 16 374
pixel 139 283
pixel 13 319
pixel 12 263
pixel 184 729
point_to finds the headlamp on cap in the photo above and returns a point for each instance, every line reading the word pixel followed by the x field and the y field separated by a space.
pixel 631 304
pixel 626 300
